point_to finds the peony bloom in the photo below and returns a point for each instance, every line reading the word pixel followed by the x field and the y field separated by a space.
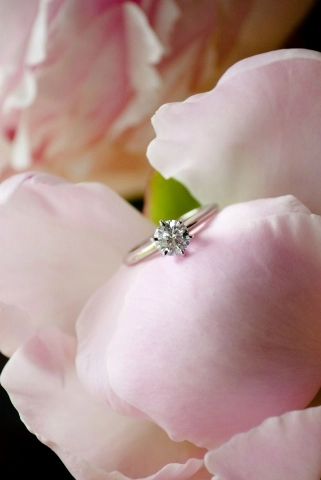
pixel 136 384
pixel 74 238
pixel 175 368
pixel 257 135
pixel 79 80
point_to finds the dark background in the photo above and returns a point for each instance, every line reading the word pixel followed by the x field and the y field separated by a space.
pixel 21 454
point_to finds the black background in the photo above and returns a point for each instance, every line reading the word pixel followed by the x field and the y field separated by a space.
pixel 21 454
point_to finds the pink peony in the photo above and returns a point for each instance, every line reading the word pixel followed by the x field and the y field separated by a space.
pixel 167 365
pixel 257 135
pixel 175 368
pixel 79 80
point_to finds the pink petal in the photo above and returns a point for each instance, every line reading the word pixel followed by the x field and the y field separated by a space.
pixel 59 242
pixel 213 343
pixel 107 67
pixel 94 87
pixel 24 29
pixel 18 23
pixel 91 440
pixel 285 447
pixel 15 327
pixel 255 135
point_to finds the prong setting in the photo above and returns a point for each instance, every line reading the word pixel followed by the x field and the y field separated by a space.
pixel 172 237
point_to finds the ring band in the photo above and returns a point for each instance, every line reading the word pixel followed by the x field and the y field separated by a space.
pixel 172 236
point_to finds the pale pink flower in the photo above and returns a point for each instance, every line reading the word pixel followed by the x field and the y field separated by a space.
pixel 255 135
pixel 79 80
pixel 284 447
pixel 194 349
pixel 167 369
pixel 59 244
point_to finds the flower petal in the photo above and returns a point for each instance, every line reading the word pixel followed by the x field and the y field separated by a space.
pixel 283 447
pixel 91 440
pixel 90 89
pixel 60 242
pixel 248 137
pixel 15 327
pixel 18 22
pixel 213 343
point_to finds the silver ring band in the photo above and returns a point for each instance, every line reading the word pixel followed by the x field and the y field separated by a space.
pixel 191 222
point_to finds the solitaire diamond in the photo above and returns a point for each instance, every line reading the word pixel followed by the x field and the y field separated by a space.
pixel 172 237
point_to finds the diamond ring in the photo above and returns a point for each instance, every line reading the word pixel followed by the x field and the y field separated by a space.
pixel 172 237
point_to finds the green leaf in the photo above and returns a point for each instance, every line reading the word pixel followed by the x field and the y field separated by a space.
pixel 167 199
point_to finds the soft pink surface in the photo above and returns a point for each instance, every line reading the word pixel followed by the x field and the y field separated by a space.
pixel 211 344
pixel 282 448
pixel 59 242
pixel 21 47
pixel 255 135
pixel 94 442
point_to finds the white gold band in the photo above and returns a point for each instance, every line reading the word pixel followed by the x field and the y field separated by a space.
pixel 193 221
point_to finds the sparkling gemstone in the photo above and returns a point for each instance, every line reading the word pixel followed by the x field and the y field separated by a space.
pixel 172 237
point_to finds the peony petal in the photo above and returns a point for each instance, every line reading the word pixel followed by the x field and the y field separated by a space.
pixel 144 52
pixel 255 135
pixel 59 243
pixel 91 440
pixel 37 46
pixel 24 28
pixel 17 20
pixel 91 89
pixel 95 326
pixel 213 343
pixel 283 447
pixel 15 327
pixel 11 184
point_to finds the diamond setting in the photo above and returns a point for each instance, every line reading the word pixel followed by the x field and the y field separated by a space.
pixel 172 237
